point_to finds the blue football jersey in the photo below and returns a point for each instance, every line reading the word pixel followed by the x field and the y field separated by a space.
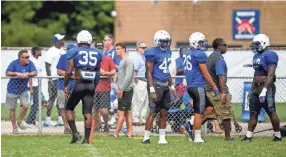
pixel 261 62
pixel 162 60
pixel 192 59
pixel 85 57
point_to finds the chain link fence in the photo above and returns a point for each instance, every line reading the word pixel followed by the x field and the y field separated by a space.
pixel 44 114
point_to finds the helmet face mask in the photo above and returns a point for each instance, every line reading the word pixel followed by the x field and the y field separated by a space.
pixel 164 44
pixel 256 47
pixel 203 45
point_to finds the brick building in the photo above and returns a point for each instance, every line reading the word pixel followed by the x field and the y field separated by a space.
pixel 140 20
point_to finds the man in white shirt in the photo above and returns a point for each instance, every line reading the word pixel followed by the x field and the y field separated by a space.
pixel 140 96
pixel 51 58
pixel 35 58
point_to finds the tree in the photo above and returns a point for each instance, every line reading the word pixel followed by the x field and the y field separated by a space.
pixel 34 23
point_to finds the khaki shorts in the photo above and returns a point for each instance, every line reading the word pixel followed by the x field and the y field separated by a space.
pixel 221 111
pixel 11 99
pixel 61 99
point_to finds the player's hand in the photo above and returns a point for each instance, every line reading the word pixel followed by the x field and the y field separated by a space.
pixel 223 98
pixel 66 90
pixel 216 92
pixel 262 95
pixel 154 97
pixel 119 93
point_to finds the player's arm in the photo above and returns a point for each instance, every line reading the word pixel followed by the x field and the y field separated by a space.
pixel 149 71
pixel 68 72
pixel 207 76
pixel 61 72
pixel 170 83
pixel 270 76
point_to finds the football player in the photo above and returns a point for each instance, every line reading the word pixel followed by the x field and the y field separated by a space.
pixel 158 59
pixel 263 89
pixel 197 75
pixel 86 62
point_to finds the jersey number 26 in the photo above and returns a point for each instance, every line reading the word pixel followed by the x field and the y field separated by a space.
pixel 187 62
pixel 88 57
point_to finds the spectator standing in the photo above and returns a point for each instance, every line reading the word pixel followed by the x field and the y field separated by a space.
pixel 17 88
pixel 36 60
pixel 140 96
pixel 51 60
pixel 125 89
pixel 108 42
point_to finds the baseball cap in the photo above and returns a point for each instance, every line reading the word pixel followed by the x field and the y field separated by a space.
pixel 70 46
pixel 57 37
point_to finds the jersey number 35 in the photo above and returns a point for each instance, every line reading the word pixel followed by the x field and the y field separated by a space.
pixel 88 58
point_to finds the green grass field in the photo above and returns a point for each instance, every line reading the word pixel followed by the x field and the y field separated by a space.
pixel 57 146
pixel 280 107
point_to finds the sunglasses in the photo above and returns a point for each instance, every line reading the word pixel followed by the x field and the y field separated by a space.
pixel 27 57
pixel 223 45
pixel 143 48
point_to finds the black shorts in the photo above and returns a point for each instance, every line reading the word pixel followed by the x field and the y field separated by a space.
pixel 199 99
pixel 84 91
pixel 124 103
pixel 101 99
pixel 269 105
pixel 163 98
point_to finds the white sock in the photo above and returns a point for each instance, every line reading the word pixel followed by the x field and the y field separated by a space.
pixel 192 120
pixel 147 135
pixel 249 134
pixel 60 118
pixel 198 134
pixel 48 118
pixel 162 134
pixel 277 134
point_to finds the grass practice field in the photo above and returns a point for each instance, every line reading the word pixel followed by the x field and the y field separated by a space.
pixel 280 107
pixel 58 146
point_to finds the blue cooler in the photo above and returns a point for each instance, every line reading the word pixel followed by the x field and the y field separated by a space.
pixel 245 105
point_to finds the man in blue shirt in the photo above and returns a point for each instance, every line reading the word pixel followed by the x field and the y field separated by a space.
pixel 180 68
pixel 61 101
pixel 140 95
pixel 17 88
pixel 262 93
pixel 158 59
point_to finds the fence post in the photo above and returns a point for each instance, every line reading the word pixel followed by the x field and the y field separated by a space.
pixel 40 106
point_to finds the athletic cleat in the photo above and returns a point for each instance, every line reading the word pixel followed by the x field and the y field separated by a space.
pixel 246 139
pixel 85 141
pixel 162 141
pixel 146 141
pixel 75 137
pixel 199 141
pixel 188 133
pixel 277 139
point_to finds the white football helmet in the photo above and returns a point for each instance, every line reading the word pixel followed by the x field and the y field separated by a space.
pixel 198 40
pixel 260 42
pixel 162 39
pixel 84 37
